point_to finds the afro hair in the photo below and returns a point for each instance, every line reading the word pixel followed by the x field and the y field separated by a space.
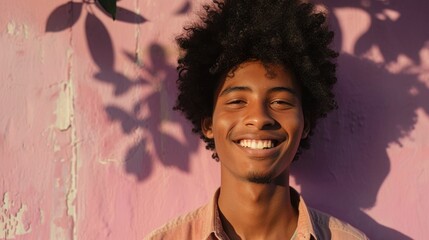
pixel 285 32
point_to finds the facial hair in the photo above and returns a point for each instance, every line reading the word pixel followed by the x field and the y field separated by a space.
pixel 260 178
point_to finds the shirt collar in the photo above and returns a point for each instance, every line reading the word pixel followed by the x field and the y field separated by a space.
pixel 213 225
pixel 304 226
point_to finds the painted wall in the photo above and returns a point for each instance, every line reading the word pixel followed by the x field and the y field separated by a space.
pixel 90 149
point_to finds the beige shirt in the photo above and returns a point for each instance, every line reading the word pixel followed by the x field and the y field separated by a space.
pixel 204 223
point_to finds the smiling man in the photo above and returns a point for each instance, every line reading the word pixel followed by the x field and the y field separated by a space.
pixel 257 125
pixel 254 78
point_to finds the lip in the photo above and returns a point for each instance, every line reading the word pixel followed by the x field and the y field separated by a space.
pixel 260 154
pixel 259 136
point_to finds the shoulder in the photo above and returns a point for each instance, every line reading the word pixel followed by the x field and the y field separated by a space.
pixel 182 227
pixel 329 227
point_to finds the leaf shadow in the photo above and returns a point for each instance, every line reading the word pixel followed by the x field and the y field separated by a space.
pixel 158 142
pixel 56 21
pixel 345 168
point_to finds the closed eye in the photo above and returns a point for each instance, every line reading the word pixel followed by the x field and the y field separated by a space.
pixel 281 104
pixel 236 101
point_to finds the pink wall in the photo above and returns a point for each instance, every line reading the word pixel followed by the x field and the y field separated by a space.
pixel 90 149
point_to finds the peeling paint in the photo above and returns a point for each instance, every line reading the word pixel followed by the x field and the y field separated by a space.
pixel 11 26
pixel 57 232
pixel 57 148
pixel 137 33
pixel 15 29
pixel 65 122
pixel 25 28
pixel 42 216
pixel 72 192
pixel 64 107
pixel 109 161
pixel 12 224
pixel 52 136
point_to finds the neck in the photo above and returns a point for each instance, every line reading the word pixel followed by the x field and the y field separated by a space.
pixel 257 211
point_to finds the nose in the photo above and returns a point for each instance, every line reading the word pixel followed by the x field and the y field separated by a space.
pixel 258 116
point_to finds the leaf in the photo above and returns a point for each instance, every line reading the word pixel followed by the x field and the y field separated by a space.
pixel 138 161
pixel 63 17
pixel 109 6
pixel 99 43
pixel 125 15
pixel 121 83
pixel 128 121
pixel 128 16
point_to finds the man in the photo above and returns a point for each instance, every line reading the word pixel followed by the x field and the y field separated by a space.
pixel 254 77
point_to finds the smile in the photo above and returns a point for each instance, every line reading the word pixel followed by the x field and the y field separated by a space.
pixel 257 144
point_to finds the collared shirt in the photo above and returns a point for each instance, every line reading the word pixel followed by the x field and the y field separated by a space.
pixel 205 224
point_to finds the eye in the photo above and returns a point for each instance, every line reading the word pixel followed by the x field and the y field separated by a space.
pixel 280 104
pixel 236 103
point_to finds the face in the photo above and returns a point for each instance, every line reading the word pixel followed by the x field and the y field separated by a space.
pixel 257 123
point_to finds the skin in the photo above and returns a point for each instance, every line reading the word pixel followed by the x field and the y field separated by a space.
pixel 257 103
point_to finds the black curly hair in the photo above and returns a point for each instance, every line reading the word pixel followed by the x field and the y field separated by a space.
pixel 285 32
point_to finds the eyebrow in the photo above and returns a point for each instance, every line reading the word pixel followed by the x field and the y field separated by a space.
pixel 235 89
pixel 248 89
pixel 283 89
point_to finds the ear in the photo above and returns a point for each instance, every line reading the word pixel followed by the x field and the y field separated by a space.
pixel 206 127
pixel 306 130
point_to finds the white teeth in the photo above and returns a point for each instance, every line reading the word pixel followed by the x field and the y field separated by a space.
pixel 256 144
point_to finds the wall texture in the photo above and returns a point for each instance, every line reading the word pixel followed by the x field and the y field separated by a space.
pixel 90 149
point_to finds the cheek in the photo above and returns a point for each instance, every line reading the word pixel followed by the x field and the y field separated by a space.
pixel 294 124
pixel 223 123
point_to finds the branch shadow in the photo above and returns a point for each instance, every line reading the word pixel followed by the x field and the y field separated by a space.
pixel 347 164
pixel 151 114
pixel 160 144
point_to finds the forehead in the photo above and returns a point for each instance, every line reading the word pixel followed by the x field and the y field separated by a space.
pixel 254 76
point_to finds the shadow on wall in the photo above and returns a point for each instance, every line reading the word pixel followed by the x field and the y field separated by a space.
pixel 348 159
pixel 348 162
pixel 158 104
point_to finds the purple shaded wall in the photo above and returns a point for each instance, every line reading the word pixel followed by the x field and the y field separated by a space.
pixel 90 148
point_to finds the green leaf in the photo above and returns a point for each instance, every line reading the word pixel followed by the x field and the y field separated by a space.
pixel 109 6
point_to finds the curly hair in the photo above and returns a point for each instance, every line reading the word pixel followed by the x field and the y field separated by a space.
pixel 285 32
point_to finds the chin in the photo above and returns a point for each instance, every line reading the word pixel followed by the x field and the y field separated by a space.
pixel 260 178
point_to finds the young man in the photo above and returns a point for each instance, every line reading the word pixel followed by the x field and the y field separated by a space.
pixel 254 77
